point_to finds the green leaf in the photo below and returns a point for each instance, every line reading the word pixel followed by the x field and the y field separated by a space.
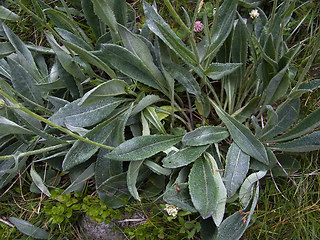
pixel 156 168
pixel 65 59
pixel 206 191
pixel 237 167
pixel 242 136
pixel 183 157
pixel 9 127
pixel 180 198
pixel 222 27
pixel 287 166
pixel 132 175
pixel 312 121
pixel 205 135
pixel 145 102
pixel 92 19
pixel 219 70
pixel 82 151
pixel 23 82
pixel 185 78
pixel 29 229
pixel 119 8
pixel 286 114
pixel 105 13
pixel 235 225
pixel 38 181
pixel 248 110
pixel 150 114
pixel 6 49
pixel 81 179
pixel 6 14
pixel 74 39
pixel 61 20
pixel 91 58
pixel 220 191
pixel 127 63
pixel 159 27
pixel 310 85
pixel 246 190
pixel 135 45
pixel 310 142
pixel 20 47
pixel 78 115
pixel 113 87
pixel 142 147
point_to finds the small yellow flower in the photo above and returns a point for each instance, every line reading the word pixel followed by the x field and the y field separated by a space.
pixel 171 210
pixel 254 14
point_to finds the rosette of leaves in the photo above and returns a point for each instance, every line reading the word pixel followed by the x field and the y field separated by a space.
pixel 118 104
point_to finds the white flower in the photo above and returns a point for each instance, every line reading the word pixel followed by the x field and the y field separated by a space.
pixel 171 210
pixel 254 14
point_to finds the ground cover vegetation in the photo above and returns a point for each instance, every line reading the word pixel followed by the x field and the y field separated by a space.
pixel 201 116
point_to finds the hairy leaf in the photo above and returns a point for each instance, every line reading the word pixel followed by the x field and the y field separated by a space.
pixel 205 135
pixel 142 147
pixel 29 229
pixel 237 167
pixel 219 70
pixel 132 175
pixel 183 157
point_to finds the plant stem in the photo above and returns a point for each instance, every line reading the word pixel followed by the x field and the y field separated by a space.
pixel 34 152
pixel 62 129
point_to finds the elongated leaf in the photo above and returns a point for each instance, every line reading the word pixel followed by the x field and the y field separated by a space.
pixel 205 189
pixel 82 151
pixel 119 8
pixel 243 137
pixel 312 121
pixel 105 13
pixel 311 85
pixel 6 49
pixel 145 102
pixel 222 27
pixel 183 157
pixel 246 190
pixel 310 142
pixel 151 115
pixel 113 87
pixel 26 54
pixel 74 39
pixel 245 112
pixel 237 167
pixel 286 115
pixel 135 45
pixel 6 14
pixel 235 225
pixel 221 191
pixel 185 78
pixel 23 82
pixel 81 179
pixel 159 27
pixel 61 20
pixel 65 59
pixel 39 182
pixel 180 198
pixel 92 19
pixel 142 147
pixel 132 175
pixel 9 127
pixel 205 135
pixel 127 63
pixel 91 58
pixel 156 168
pixel 81 116
pixel 219 70
pixel 29 229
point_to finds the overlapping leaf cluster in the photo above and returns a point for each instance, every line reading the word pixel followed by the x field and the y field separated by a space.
pixel 119 105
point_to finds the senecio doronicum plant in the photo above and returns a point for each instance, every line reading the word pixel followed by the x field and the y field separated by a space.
pixel 196 121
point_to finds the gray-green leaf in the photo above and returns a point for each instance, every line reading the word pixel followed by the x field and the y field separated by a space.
pixel 237 167
pixel 183 157
pixel 29 229
pixel 219 70
pixel 142 147
pixel 205 135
